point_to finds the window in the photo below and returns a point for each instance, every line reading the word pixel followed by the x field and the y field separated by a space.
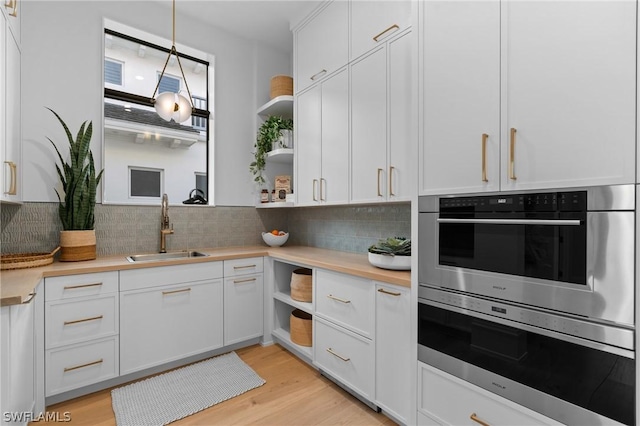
pixel 169 84
pixel 201 182
pixel 145 182
pixel 113 71
pixel 199 123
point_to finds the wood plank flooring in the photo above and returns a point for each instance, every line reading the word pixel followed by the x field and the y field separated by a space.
pixel 295 394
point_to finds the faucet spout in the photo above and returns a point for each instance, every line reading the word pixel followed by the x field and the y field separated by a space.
pixel 165 227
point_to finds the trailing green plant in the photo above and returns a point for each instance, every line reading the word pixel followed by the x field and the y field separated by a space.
pixel 268 133
pixel 78 178
pixel 398 246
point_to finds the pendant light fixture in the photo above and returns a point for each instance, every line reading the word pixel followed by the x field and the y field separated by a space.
pixel 170 105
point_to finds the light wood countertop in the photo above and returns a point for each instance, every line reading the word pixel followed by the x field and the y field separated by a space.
pixel 17 285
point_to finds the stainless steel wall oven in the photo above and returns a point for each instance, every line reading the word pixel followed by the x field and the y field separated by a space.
pixel 531 296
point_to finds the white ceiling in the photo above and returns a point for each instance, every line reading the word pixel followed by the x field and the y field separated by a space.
pixel 265 20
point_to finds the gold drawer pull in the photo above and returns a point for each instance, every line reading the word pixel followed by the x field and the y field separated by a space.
pixel 322 193
pixel 390 293
pixel 315 184
pixel 475 418
pixel 244 281
pixel 14 171
pixel 338 355
pixel 394 26
pixel 331 296
pixel 83 320
pixel 391 170
pixel 512 154
pixel 73 287
pixel 183 290
pixel 484 157
pixel 379 192
pixel 244 267
pixel 89 364
pixel 318 74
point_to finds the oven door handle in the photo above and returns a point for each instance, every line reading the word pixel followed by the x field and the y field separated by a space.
pixel 553 222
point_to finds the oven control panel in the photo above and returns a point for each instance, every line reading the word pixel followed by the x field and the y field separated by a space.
pixel 545 201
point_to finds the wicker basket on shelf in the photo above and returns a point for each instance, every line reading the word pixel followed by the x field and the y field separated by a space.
pixel 301 328
pixel 26 260
pixel 301 279
pixel 281 85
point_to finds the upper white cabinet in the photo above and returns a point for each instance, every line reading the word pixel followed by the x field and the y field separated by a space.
pixel 374 22
pixel 321 44
pixel 548 73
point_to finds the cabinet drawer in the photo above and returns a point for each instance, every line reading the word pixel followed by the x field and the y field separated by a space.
pixel 347 356
pixel 247 266
pixel 166 275
pixel 81 285
pixel 75 366
pixel 346 300
pixel 77 320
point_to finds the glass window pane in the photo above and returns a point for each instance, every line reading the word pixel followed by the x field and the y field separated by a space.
pixel 145 183
pixel 112 72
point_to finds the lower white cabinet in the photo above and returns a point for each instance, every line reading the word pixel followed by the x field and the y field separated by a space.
pixel 243 300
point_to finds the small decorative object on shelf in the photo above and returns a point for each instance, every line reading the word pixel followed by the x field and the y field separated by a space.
pixel 392 253
pixel 281 85
pixel 301 280
pixel 264 196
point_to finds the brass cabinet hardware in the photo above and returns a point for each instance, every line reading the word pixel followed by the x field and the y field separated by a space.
pixel 512 153
pixel 338 355
pixel 323 189
pixel 73 287
pixel 484 157
pixel 89 364
pixel 244 267
pixel 183 290
pixel 15 9
pixel 394 26
pixel 318 74
pixel 29 298
pixel 14 168
pixel 331 296
pixel 391 170
pixel 83 320
pixel 315 184
pixel 475 418
pixel 379 192
pixel 248 280
pixel 391 293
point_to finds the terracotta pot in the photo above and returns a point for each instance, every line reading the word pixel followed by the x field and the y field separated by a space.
pixel 77 245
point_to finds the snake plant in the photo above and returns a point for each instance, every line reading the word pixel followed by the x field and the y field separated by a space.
pixel 79 180
pixel 397 246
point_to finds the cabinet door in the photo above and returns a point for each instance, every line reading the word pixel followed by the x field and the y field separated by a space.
pixel 369 128
pixel 308 145
pixel 168 323
pixel 570 76
pixel 460 66
pixel 322 45
pixel 393 350
pixel 373 22
pixel 243 308
pixel 334 184
pixel 12 188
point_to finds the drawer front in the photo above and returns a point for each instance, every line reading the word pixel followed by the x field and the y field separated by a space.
pixel 251 265
pixel 77 320
pixel 135 279
pixel 82 285
pixel 347 356
pixel 346 300
pixel 75 366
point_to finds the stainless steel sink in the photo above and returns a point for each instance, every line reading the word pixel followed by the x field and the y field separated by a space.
pixel 164 256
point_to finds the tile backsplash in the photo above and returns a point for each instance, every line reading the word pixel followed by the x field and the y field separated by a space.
pixel 34 227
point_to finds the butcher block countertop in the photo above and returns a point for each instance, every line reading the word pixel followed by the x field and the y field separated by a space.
pixel 17 285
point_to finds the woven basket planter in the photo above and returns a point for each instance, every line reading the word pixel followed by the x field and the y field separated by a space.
pixel 301 279
pixel 77 245
pixel 281 85
pixel 300 325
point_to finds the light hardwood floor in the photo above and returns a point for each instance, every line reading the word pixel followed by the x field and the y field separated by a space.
pixel 294 394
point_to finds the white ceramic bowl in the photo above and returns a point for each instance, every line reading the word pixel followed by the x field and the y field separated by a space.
pixel 400 263
pixel 274 240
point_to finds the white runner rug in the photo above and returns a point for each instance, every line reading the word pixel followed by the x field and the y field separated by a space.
pixel 171 396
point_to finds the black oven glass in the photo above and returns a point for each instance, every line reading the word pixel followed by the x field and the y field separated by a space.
pixel 595 380
pixel 486 237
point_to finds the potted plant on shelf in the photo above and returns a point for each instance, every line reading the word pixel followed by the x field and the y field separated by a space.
pixel 392 253
pixel 269 133
pixel 79 182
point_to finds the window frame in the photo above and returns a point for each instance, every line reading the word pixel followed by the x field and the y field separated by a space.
pixel 121 63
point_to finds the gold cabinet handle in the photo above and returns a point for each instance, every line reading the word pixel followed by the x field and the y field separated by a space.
pixel 323 184
pixel 15 9
pixel 331 351
pixel 89 364
pixel 315 185
pixel 512 153
pixel 379 192
pixel 393 27
pixel 475 418
pixel 183 290
pixel 391 170
pixel 84 320
pixel 331 296
pixel 14 172
pixel 73 287
pixel 244 267
pixel 390 293
pixel 248 280
pixel 484 157
pixel 318 74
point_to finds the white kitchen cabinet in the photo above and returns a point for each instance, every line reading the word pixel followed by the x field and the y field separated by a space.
pixel 374 22
pixel 170 313
pixel 322 142
pixel 393 350
pixel 243 299
pixel 471 404
pixel 566 98
pixel 321 44
pixel 17 359
pixel 382 141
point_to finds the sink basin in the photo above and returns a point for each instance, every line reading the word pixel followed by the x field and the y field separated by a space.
pixel 164 256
